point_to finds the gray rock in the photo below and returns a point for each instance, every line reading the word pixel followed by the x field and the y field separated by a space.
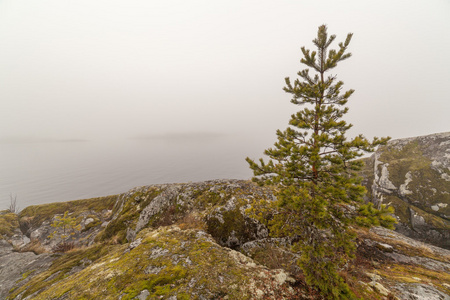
pixel 421 261
pixel 143 295
pixel 14 264
pixel 228 224
pixel 88 221
pixel 41 232
pixel 184 197
pixel 413 175
pixel 385 247
pixel 156 206
pixel 157 252
pixel 378 287
pixel 133 245
pixel 5 248
pixel 417 291
pixel 19 240
pixel 154 269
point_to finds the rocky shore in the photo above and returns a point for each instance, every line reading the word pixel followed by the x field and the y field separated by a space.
pixel 197 240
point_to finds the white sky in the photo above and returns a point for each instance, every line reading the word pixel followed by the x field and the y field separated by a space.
pixel 91 69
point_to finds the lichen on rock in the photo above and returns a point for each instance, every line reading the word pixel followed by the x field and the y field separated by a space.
pixel 410 175
pixel 168 262
pixel 196 241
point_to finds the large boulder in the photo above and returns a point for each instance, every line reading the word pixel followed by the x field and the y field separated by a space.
pixel 220 204
pixel 413 176
pixel 167 263
pixel 37 223
pixel 197 241
pixel 16 269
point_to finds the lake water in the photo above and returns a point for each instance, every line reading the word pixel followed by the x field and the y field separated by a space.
pixel 44 172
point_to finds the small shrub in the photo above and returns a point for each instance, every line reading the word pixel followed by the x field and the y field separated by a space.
pixel 167 218
pixel 69 227
pixel 13 206
pixel 191 221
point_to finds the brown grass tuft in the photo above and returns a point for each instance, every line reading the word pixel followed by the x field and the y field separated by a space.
pixel 191 221
pixel 33 246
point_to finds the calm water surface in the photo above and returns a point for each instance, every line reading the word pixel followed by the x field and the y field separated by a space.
pixel 60 171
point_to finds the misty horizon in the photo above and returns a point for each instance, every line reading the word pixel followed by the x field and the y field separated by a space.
pixel 100 70
pixel 101 96
pixel 181 136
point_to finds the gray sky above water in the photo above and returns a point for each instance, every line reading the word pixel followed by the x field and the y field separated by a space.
pixel 92 69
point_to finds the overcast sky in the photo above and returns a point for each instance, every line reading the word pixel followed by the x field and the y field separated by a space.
pixel 103 69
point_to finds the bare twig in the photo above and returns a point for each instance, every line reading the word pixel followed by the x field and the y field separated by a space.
pixel 13 207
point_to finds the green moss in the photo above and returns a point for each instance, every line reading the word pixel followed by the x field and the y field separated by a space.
pixel 401 208
pixel 24 276
pixel 402 160
pixel 93 224
pixel 427 185
pixel 368 175
pixel 191 266
pixel 234 223
pixel 434 221
pixel 157 285
pixel 45 212
pixel 183 296
pixel 60 267
pixel 132 207
pixel 203 197
pixel 9 222
pixel 187 264
pixel 209 198
pixel 408 273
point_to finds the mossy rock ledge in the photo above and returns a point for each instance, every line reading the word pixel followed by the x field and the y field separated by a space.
pixel 413 176
pixel 194 241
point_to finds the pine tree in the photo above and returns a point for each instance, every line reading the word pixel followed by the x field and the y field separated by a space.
pixel 69 228
pixel 313 167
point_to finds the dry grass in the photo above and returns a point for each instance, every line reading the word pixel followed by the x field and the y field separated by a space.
pixel 191 221
pixel 64 247
pixel 403 247
pixel 34 246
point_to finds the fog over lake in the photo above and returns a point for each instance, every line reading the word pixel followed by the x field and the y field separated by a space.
pixel 99 96
pixel 38 171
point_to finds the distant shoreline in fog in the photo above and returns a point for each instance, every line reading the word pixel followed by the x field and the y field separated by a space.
pixel 182 136
pixel 26 140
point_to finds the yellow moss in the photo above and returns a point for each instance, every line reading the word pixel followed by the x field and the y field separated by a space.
pixel 180 256
pixel 431 219
pixel 44 212
pixel 129 215
pixel 9 222
pixel 183 296
pixel 190 266
pixel 401 246
pixel 408 273
pixel 62 265
pixel 410 158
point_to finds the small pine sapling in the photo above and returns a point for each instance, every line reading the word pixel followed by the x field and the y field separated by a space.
pixel 68 225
